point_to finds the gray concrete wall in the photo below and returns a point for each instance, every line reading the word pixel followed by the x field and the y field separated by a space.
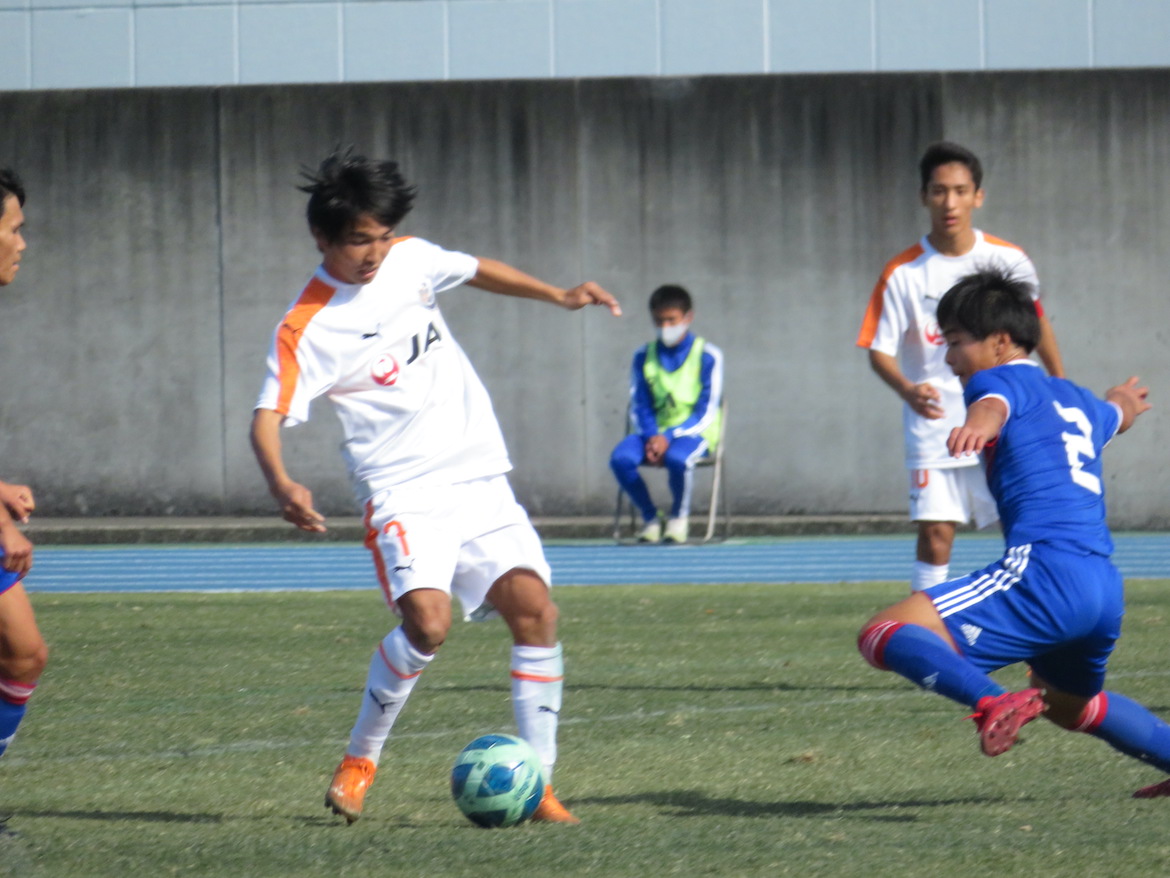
pixel 167 237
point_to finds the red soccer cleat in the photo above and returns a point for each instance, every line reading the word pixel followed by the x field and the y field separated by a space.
pixel 1000 718
pixel 1154 791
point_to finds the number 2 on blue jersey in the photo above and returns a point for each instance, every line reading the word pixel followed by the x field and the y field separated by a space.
pixel 1079 447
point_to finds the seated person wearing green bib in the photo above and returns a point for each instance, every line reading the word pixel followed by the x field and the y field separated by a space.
pixel 676 385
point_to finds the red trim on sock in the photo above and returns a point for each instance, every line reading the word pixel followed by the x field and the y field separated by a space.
pixel 872 642
pixel 1093 715
pixel 16 693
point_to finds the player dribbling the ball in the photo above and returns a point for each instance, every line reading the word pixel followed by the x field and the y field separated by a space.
pixel 424 452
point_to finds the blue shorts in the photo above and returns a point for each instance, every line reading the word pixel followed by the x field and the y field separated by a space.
pixel 1058 610
pixel 8 578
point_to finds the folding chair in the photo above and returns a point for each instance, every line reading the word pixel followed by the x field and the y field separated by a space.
pixel 718 502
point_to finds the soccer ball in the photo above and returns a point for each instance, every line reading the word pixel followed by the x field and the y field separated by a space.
pixel 497 781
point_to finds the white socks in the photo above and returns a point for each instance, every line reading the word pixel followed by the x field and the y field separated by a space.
pixel 925 575
pixel 537 684
pixel 394 669
pixel 538 674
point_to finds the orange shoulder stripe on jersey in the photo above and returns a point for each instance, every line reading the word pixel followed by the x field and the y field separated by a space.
pixel 537 678
pixel 315 297
pixel 873 311
pixel 1000 242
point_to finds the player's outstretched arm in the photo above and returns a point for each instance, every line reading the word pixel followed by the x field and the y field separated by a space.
pixel 18 500
pixel 499 277
pixel 985 418
pixel 295 500
pixel 1131 399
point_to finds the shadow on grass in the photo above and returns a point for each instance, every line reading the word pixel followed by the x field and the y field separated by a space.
pixel 323 821
pixel 690 803
pixel 119 816
pixel 714 688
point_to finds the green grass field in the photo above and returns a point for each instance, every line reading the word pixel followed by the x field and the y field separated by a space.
pixel 726 730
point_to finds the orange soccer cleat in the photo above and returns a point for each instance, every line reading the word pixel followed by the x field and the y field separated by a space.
pixel 550 810
pixel 348 788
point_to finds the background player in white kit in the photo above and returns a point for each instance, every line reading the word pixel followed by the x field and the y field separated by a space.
pixel 900 320
pixel 424 452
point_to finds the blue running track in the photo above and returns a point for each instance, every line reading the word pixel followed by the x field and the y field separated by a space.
pixel 233 568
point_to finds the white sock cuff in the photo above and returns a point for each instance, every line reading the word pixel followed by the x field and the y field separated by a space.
pixel 925 575
pixel 400 655
pixel 544 661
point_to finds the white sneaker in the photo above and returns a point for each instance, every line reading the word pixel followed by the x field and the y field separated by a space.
pixel 651 532
pixel 676 531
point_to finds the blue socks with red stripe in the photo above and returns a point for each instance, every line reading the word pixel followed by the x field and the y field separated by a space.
pixel 1128 727
pixel 926 660
pixel 14 698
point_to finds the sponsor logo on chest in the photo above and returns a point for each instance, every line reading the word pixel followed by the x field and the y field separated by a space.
pixel 385 369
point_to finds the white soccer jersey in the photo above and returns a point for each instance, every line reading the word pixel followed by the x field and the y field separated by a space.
pixel 902 319
pixel 412 408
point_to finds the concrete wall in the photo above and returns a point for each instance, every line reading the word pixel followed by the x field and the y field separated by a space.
pixel 146 43
pixel 167 237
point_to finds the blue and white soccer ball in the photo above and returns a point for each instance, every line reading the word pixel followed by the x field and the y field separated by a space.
pixel 497 781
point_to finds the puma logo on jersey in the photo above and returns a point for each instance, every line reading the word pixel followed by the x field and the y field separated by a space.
pixel 402 568
pixel 970 632
pixel 418 348
pixel 929 681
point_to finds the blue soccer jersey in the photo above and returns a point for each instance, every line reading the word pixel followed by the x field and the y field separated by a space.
pixel 1044 468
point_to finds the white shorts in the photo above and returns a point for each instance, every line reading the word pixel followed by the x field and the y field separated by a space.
pixel 957 494
pixel 458 539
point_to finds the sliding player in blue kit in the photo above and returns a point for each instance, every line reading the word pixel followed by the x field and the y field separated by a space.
pixel 1054 600
pixel 23 653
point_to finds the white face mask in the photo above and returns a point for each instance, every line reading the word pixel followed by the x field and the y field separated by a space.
pixel 672 335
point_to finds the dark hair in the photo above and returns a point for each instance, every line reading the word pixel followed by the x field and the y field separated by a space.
pixel 988 301
pixel 10 185
pixel 670 296
pixel 346 187
pixel 944 152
